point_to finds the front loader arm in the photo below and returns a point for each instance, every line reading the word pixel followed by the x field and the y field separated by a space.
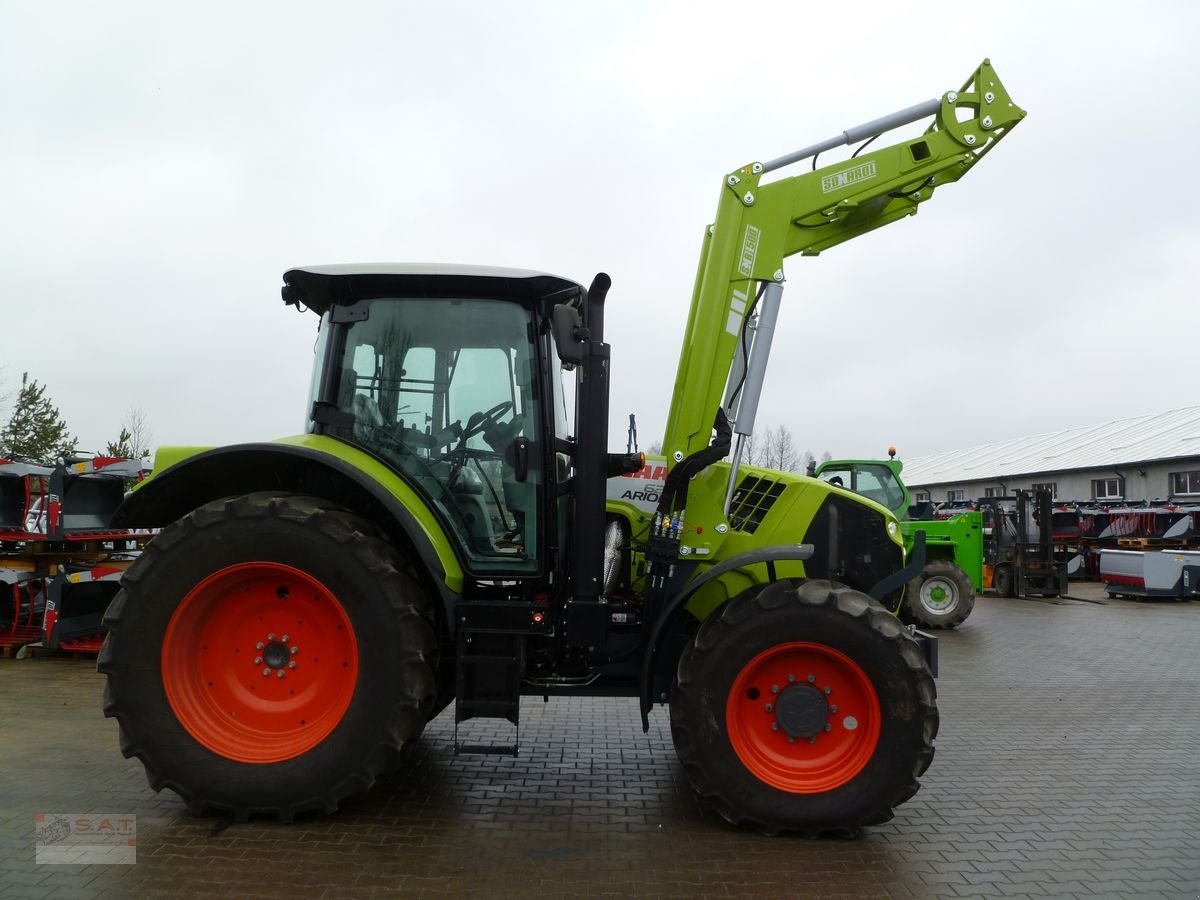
pixel 759 225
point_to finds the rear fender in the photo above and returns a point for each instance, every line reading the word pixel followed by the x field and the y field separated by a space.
pixel 363 486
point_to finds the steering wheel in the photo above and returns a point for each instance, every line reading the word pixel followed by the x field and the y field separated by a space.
pixel 482 421
pixel 391 441
pixel 478 423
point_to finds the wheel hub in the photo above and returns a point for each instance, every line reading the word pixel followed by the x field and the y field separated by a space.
pixel 276 654
pixel 802 711
pixel 938 596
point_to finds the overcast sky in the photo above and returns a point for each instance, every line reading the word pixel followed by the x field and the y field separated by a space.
pixel 163 164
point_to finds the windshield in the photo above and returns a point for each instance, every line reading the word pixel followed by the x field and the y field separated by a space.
pixel 876 482
pixel 444 391
pixel 314 387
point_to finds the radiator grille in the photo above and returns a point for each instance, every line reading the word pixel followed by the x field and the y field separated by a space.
pixel 752 501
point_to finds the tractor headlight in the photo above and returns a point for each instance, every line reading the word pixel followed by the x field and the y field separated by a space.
pixel 894 533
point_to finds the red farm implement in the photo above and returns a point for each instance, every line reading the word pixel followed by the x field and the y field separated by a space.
pixel 60 559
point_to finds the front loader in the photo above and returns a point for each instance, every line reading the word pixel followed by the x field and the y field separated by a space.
pixel 441 533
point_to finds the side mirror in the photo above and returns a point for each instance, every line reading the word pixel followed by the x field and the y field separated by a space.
pixel 569 334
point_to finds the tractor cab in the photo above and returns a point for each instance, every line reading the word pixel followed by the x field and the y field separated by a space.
pixel 445 380
pixel 877 480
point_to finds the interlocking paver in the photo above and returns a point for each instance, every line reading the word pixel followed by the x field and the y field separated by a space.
pixel 1067 764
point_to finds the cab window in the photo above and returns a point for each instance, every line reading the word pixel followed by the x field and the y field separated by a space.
pixel 443 391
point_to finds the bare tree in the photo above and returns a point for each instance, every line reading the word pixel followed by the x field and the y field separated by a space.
pixel 140 434
pixel 780 449
pixel 752 450
pixel 135 438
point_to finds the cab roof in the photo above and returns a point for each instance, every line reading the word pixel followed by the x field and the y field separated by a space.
pixel 319 287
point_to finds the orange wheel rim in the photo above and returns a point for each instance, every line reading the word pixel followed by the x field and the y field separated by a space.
pixel 803 718
pixel 259 662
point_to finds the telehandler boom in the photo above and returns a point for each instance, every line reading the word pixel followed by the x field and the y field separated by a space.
pixel 441 534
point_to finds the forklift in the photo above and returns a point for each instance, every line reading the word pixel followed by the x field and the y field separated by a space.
pixel 1018 545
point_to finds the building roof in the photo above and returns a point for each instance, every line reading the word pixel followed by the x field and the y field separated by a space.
pixel 1140 439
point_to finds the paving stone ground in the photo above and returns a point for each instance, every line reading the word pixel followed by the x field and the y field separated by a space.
pixel 1068 764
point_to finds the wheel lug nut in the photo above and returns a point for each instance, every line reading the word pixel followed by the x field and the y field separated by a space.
pixel 791 740
pixel 292 664
pixel 266 672
pixel 774 726
pixel 258 660
pixel 284 638
pixel 281 673
pixel 259 646
pixel 295 650
pixel 833 709
pixel 770 707
pixel 811 678
pixel 791 678
pixel 828 727
pixel 271 636
pixel 774 689
pixel 827 689
pixel 812 740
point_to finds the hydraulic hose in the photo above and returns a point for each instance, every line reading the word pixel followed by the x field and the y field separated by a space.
pixel 690 466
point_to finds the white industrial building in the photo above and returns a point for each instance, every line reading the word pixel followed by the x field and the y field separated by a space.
pixel 1150 457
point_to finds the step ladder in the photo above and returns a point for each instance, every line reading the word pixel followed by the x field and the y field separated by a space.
pixel 488 674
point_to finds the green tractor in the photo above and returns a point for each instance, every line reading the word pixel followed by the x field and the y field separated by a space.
pixel 943 594
pixel 443 532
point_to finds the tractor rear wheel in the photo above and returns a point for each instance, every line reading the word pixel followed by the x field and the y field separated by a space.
pixel 804 707
pixel 942 596
pixel 267 654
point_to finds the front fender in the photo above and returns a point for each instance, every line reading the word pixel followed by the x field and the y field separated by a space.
pixel 763 555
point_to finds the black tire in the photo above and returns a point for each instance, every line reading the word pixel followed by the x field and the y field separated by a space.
pixel 393 636
pixel 840 620
pixel 1004 581
pixel 942 596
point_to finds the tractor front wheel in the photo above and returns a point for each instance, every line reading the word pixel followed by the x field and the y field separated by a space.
pixel 804 707
pixel 942 596
pixel 268 655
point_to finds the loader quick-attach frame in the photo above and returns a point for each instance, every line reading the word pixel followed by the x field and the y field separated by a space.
pixel 446 535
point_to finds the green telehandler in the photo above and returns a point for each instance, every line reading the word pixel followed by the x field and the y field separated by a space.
pixel 441 533
pixel 942 594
